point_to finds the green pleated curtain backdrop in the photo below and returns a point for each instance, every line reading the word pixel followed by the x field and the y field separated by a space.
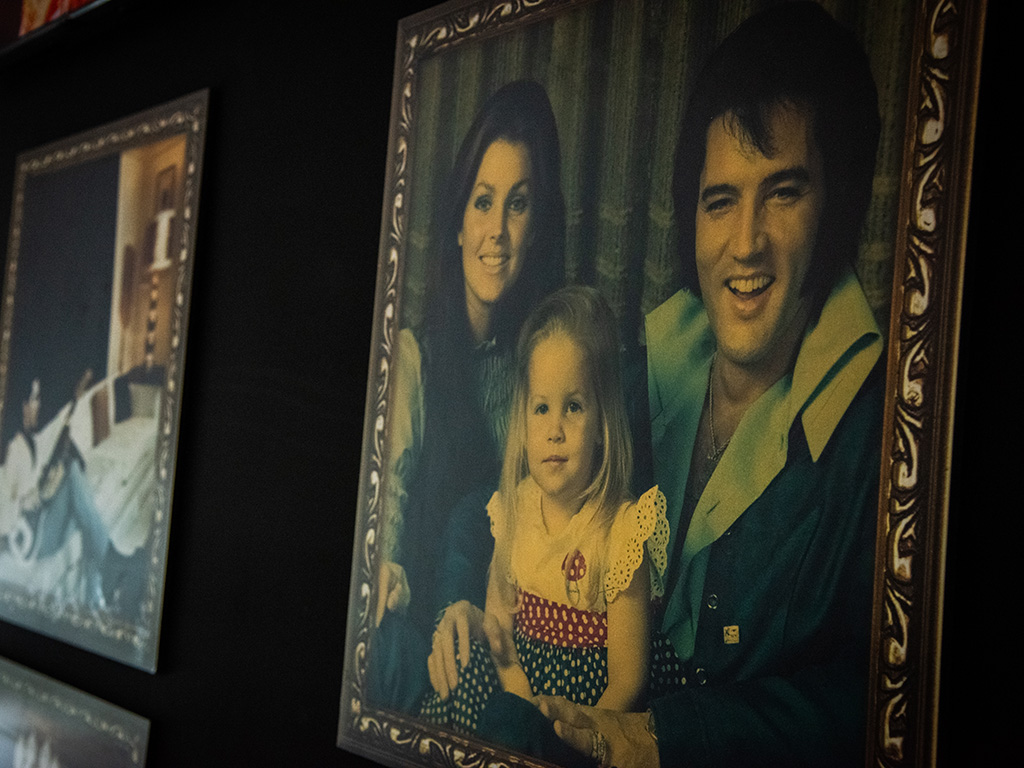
pixel 618 73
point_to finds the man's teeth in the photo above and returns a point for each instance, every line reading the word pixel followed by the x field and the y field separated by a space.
pixel 492 261
pixel 749 284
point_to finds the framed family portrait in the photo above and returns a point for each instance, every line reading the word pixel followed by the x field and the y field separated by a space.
pixel 95 316
pixel 660 392
pixel 48 724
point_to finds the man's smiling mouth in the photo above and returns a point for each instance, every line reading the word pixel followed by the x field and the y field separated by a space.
pixel 748 287
pixel 493 260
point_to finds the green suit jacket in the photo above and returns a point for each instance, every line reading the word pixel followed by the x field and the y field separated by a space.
pixel 768 600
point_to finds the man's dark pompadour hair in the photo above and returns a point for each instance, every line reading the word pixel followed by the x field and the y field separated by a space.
pixel 790 54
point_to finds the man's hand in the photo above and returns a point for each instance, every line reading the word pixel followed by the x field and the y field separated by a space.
pixel 628 744
pixel 392 590
pixel 462 621
pixel 48 485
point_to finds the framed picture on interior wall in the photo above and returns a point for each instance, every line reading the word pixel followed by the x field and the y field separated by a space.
pixel 47 724
pixel 38 13
pixel 94 322
pixel 692 512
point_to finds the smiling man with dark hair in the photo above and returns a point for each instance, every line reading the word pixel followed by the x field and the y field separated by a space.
pixel 765 405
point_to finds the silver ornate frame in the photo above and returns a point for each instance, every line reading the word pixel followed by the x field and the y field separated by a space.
pixel 923 334
pixel 131 642
pixel 35 702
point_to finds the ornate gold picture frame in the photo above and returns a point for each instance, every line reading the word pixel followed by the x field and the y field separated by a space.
pixel 618 75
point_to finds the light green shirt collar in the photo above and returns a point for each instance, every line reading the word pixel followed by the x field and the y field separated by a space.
pixel 835 357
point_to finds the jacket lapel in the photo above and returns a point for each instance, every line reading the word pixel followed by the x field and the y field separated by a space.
pixel 679 351
pixel 835 357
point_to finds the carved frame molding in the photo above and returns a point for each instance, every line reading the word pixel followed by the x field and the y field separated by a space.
pixel 923 334
pixel 923 341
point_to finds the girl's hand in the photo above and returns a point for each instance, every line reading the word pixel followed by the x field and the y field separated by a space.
pixel 622 737
pixel 506 658
pixel 461 622
pixel 499 638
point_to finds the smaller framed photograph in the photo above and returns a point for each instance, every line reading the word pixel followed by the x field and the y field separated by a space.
pixel 48 724
pixel 96 297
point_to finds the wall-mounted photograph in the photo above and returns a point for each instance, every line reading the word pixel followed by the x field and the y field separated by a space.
pixel 47 724
pixel 36 14
pixel 96 296
pixel 659 402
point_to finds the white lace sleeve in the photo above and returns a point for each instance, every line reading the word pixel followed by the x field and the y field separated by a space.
pixel 638 526
pixel 405 440
pixel 501 559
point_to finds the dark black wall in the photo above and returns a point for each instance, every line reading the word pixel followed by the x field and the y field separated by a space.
pixel 254 619
pixel 983 554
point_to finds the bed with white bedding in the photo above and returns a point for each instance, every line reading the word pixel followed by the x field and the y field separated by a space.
pixel 120 459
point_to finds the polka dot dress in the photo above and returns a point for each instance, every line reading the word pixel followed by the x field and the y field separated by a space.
pixel 461 710
pixel 561 649
pixel 564 581
pixel 667 673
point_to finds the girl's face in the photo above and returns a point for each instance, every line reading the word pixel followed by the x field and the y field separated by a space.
pixel 562 420
pixel 495 229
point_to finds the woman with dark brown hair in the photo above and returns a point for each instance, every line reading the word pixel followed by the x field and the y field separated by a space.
pixel 497 250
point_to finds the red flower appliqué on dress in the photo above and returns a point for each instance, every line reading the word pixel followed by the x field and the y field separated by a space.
pixel 574 566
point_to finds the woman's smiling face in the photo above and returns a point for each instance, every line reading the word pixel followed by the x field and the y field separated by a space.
pixel 495 230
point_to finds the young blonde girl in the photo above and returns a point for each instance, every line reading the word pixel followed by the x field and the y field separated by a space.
pixel 576 561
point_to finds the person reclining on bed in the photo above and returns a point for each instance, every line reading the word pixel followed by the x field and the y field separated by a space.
pixel 45 498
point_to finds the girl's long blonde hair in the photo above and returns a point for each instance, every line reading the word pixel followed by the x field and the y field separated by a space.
pixel 583 315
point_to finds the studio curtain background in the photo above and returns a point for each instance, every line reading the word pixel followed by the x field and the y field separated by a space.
pixel 619 74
